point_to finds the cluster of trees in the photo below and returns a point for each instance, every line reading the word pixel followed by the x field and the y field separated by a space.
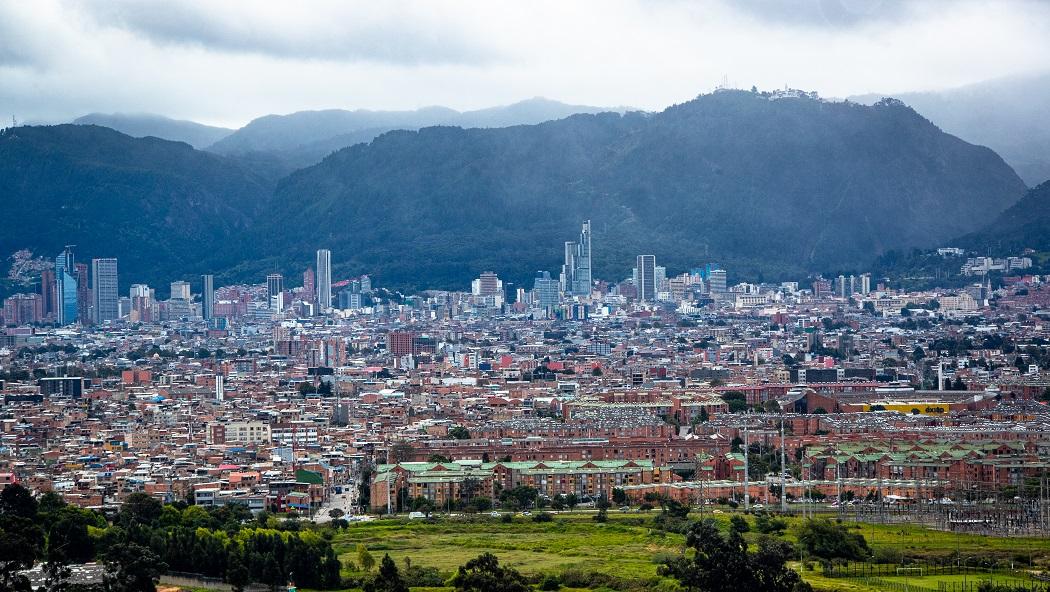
pixel 723 563
pixel 57 534
pixel 146 539
pixel 481 574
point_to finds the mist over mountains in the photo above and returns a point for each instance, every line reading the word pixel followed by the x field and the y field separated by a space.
pixel 1009 115
pixel 771 188
pixel 303 138
pixel 142 125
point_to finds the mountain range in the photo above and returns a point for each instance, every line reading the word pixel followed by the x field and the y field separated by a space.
pixel 771 188
pixel 303 138
pixel 1009 115
pixel 141 125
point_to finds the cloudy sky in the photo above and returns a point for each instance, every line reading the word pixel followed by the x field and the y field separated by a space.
pixel 229 61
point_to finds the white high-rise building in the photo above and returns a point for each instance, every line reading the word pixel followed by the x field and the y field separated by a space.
pixel 645 281
pixel 180 290
pixel 324 279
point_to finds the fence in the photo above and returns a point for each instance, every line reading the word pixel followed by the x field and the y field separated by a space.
pixel 863 570
pixel 192 580
pixel 875 576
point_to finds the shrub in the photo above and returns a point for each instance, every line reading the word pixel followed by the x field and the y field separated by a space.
pixel 550 582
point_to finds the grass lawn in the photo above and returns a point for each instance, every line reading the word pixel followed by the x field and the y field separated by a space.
pixel 629 549
pixel 620 547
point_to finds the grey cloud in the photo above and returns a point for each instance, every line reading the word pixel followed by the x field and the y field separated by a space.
pixel 403 40
pixel 826 13
pixel 17 48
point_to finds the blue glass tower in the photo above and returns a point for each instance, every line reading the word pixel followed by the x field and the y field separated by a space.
pixel 65 288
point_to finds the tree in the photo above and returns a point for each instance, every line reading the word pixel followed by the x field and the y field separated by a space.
pixel 484 574
pixel 828 540
pixel 739 524
pixel 422 504
pixel 723 564
pixel 401 452
pixel 459 433
pixel 140 509
pixel 21 542
pixel 388 579
pixel 68 540
pixel 918 354
pixel 16 500
pixel 571 500
pixel 364 558
pixel 619 496
pixel 766 524
pixel 237 574
pixel 132 568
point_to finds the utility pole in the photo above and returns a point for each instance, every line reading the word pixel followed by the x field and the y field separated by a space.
pixel 783 468
pixel 838 487
pixel 747 473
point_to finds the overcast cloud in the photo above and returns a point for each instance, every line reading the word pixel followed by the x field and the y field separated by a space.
pixel 227 62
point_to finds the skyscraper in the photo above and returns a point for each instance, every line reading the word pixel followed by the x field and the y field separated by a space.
pixel 208 297
pixel 85 310
pixel 646 277
pixel 487 284
pixel 47 293
pixel 576 271
pixel 583 280
pixel 105 294
pixel 716 281
pixel 309 285
pixel 545 290
pixel 180 290
pixel 65 288
pixel 275 290
pixel 324 279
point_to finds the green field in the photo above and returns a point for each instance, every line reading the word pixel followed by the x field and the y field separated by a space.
pixel 622 547
pixel 627 549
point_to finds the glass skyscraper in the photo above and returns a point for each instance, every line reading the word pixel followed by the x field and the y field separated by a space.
pixel 576 272
pixel 645 278
pixel 208 297
pixel 324 279
pixel 65 288
pixel 105 294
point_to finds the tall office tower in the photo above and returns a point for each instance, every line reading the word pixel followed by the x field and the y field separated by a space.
pixel 324 279
pixel 208 297
pixel 865 283
pixel 845 286
pixel 717 281
pixel 85 313
pixel 660 274
pixel 47 293
pixel 576 271
pixel 582 280
pixel 545 290
pixel 646 280
pixel 65 288
pixel 180 290
pixel 106 296
pixel 309 288
pixel 487 284
pixel 274 289
pixel 568 269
